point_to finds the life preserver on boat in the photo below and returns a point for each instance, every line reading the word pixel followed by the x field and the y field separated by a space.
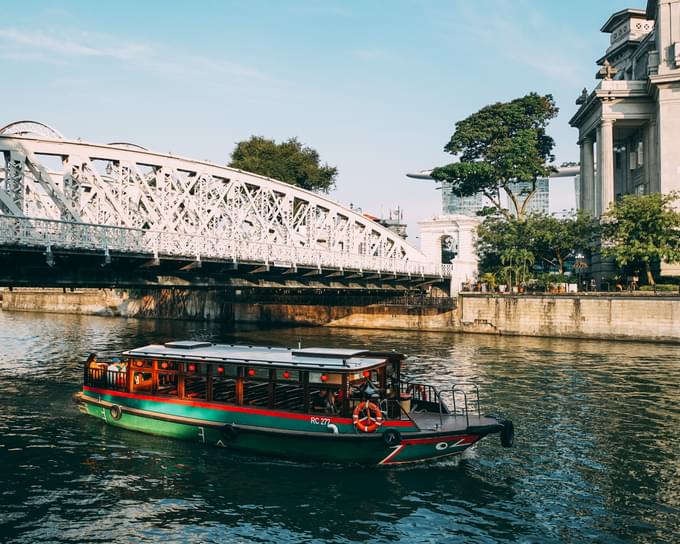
pixel 371 418
pixel 116 412
pixel 392 437
pixel 507 434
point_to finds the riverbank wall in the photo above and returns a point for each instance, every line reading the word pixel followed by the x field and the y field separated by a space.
pixel 213 305
pixel 609 316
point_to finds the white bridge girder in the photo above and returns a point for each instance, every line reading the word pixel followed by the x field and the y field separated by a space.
pixel 79 195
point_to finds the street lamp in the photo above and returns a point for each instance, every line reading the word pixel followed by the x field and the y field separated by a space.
pixel 580 266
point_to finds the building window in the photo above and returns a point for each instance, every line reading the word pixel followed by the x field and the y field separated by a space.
pixel 640 154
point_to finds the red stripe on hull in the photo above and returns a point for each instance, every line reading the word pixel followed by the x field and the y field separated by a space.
pixel 226 408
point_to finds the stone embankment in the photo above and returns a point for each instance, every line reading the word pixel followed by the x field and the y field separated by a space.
pixel 625 316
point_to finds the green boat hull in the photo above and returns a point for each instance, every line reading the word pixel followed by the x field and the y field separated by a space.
pixel 284 435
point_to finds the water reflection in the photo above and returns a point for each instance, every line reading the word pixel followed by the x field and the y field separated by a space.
pixel 595 457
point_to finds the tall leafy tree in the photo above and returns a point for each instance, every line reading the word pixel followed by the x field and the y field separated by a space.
pixel 642 230
pixel 553 240
pixel 289 161
pixel 499 145
pixel 499 243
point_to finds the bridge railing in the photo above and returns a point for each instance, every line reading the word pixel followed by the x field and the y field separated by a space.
pixel 44 233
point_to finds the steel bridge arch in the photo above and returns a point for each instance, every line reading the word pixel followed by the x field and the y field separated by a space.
pixel 141 200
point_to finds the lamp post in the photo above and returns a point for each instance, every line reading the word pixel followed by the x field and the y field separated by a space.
pixel 580 265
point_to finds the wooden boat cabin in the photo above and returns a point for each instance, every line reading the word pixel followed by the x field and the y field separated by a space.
pixel 306 380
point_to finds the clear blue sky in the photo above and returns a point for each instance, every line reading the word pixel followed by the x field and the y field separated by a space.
pixel 374 86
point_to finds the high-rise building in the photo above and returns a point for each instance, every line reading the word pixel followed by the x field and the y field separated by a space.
pixel 540 201
pixel 470 205
pixel 461 205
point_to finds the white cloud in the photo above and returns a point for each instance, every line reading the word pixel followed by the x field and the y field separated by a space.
pixel 82 45
pixel 63 47
pixel 519 32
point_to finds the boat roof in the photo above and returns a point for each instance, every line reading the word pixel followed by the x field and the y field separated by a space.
pixel 310 358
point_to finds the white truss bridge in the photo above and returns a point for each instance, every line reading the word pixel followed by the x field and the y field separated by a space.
pixel 60 194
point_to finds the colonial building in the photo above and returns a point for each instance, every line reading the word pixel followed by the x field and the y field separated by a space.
pixel 629 125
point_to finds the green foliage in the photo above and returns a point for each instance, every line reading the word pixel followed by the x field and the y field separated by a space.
pixel 516 265
pixel 553 240
pixel 512 249
pixel 549 281
pixel 665 287
pixel 501 144
pixel 642 229
pixel 490 279
pixel 289 161
pixel 497 236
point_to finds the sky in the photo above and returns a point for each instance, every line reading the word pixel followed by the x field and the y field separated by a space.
pixel 376 87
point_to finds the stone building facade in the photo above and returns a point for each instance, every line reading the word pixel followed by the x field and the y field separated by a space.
pixel 629 125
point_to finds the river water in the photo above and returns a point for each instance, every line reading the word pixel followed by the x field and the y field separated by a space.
pixel 596 457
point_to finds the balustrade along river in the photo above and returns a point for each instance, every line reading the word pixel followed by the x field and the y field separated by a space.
pixel 596 455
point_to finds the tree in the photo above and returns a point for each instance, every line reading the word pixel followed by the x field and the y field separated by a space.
pixel 502 144
pixel 511 248
pixel 642 229
pixel 289 161
pixel 498 243
pixel 517 261
pixel 554 240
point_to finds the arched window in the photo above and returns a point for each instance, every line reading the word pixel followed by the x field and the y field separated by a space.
pixel 449 248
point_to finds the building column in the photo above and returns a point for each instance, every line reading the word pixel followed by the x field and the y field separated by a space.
pixel 588 176
pixel 581 188
pixel 605 164
pixel 652 159
pixel 465 262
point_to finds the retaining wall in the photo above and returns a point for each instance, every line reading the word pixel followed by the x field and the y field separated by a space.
pixel 602 316
pixel 605 316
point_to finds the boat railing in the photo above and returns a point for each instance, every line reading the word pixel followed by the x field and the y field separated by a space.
pixel 395 409
pixel 457 400
pixel 425 397
pixel 464 399
pixel 105 374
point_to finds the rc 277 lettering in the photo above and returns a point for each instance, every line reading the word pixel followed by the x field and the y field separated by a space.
pixel 319 420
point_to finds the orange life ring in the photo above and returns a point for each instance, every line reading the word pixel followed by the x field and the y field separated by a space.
pixel 372 417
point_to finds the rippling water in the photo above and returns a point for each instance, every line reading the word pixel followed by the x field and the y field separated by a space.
pixel 596 459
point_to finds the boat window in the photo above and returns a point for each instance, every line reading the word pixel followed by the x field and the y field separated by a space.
pixel 139 364
pixel 167 365
pixel 325 378
pixel 325 399
pixel 195 381
pixel 289 392
pixel 142 370
pixel 224 383
pixel 284 375
pixel 167 378
pixel 256 386
pixel 107 374
pixel 225 370
pixel 141 380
